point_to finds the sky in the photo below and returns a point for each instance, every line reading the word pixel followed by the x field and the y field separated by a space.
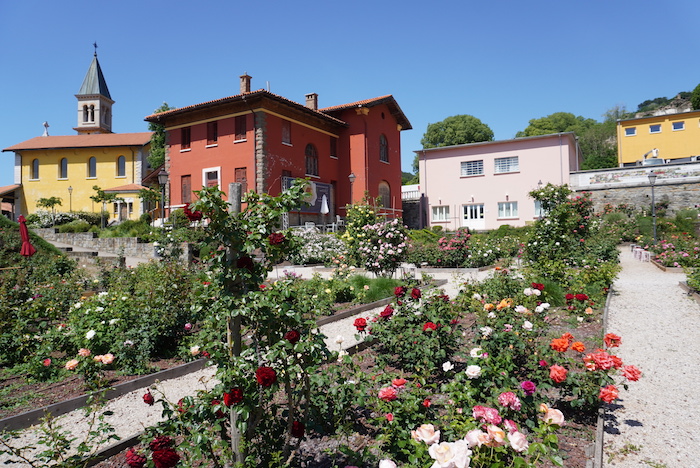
pixel 503 61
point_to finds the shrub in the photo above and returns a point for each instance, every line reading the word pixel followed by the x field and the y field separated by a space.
pixel 315 247
pixel 77 225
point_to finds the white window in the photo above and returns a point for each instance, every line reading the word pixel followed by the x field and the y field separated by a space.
pixel 502 165
pixel 471 168
pixel 441 213
pixel 632 131
pixel 655 128
pixel 678 126
pixel 508 210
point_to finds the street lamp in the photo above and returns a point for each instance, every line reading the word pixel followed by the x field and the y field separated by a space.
pixel 351 178
pixel 70 198
pixel 162 180
pixel 652 181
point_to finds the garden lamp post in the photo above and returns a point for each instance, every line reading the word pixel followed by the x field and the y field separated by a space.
pixel 351 178
pixel 70 198
pixel 652 181
pixel 162 180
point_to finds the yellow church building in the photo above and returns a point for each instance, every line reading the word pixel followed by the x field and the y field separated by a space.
pixel 68 167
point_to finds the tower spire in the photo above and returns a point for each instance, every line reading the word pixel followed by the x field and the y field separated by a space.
pixel 94 101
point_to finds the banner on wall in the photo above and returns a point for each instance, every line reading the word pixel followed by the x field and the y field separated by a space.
pixel 314 198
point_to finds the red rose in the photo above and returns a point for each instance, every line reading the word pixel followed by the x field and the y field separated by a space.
pixel 134 459
pixel 429 326
pixel 276 238
pixel 297 429
pixel 569 297
pixel 166 458
pixel 415 293
pixel 148 398
pixel 219 414
pixel 612 340
pixel 387 312
pixel 360 324
pixel 233 396
pixel 292 336
pixel 426 403
pixel 581 297
pixel 245 262
pixel 161 443
pixel 608 393
pixel 266 376
pixel 400 291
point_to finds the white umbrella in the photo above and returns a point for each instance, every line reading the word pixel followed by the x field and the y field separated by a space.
pixel 324 205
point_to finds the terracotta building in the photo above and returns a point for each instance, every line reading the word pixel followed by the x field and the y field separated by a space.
pixel 264 141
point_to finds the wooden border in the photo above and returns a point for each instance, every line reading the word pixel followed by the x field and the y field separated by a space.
pixel 668 269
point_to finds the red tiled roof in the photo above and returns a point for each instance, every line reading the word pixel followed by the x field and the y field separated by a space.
pixel 83 141
pixel 240 97
pixel 387 99
pixel 364 102
pixel 126 188
pixel 8 189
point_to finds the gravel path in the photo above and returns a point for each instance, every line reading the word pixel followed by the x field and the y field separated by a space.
pixel 655 423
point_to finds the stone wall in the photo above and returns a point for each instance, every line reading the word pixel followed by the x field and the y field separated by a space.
pixel 128 246
pixel 677 184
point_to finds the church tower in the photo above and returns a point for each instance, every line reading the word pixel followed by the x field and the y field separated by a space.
pixel 94 102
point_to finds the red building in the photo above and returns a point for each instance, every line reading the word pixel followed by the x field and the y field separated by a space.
pixel 264 141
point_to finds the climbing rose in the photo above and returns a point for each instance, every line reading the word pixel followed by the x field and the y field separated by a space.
pixel 135 459
pixel 266 376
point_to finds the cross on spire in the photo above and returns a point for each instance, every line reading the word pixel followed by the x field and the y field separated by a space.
pixel 94 44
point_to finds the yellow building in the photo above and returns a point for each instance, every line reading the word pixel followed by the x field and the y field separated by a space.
pixel 68 167
pixel 675 136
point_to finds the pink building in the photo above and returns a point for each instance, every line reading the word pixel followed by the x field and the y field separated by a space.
pixel 485 185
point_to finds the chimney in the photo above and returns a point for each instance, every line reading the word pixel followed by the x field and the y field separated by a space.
pixel 245 83
pixel 312 101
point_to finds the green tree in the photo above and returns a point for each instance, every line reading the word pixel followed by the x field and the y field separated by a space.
pixel 157 156
pixel 559 122
pixel 454 130
pixel 695 98
pixel 50 204
pixel 104 198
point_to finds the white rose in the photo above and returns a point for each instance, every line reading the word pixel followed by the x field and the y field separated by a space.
pixel 447 366
pixel 426 433
pixel 476 352
pixel 527 325
pixel 473 371
pixel 518 441
pixel 91 334
pixel 386 463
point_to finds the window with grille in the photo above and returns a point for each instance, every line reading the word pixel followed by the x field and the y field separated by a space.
pixel 502 165
pixel 383 149
pixel 471 168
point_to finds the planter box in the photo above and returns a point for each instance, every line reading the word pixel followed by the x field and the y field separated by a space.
pixel 668 269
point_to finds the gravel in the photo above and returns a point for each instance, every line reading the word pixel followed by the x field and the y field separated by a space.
pixel 654 423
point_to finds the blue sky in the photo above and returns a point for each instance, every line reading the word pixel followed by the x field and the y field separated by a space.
pixel 504 62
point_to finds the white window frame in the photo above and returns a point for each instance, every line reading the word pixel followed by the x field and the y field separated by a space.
pixel 681 126
pixel 539 212
pixel 651 128
pixel 508 210
pixel 471 168
pixel 207 170
pixel 506 165
pixel 631 131
pixel 440 213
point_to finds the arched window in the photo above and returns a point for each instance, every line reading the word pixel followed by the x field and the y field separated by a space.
pixel 92 113
pixel 383 149
pixel 92 167
pixel 35 169
pixel 85 113
pixel 384 194
pixel 121 166
pixel 311 160
pixel 63 169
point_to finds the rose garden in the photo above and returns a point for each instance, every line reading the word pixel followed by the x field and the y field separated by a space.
pixel 490 377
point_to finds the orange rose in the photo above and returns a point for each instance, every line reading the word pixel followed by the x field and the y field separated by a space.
pixel 608 393
pixel 631 373
pixel 568 336
pixel 488 307
pixel 559 344
pixel 612 340
pixel 578 346
pixel 558 373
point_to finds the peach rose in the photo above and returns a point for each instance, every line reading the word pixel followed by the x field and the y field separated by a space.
pixel 84 352
pixel 631 373
pixel 107 358
pixel 72 364
pixel 497 436
pixel 553 416
pixel 518 441
pixel 426 433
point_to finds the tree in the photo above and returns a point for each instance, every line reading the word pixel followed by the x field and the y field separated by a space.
pixel 50 204
pixel 559 122
pixel 157 156
pixel 456 130
pixel 104 198
pixel 695 98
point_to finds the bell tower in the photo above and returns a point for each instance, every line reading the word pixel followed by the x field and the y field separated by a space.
pixel 94 102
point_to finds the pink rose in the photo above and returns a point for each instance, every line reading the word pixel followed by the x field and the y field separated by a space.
pixel 518 441
pixel 84 352
pixel 107 358
pixel 72 364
